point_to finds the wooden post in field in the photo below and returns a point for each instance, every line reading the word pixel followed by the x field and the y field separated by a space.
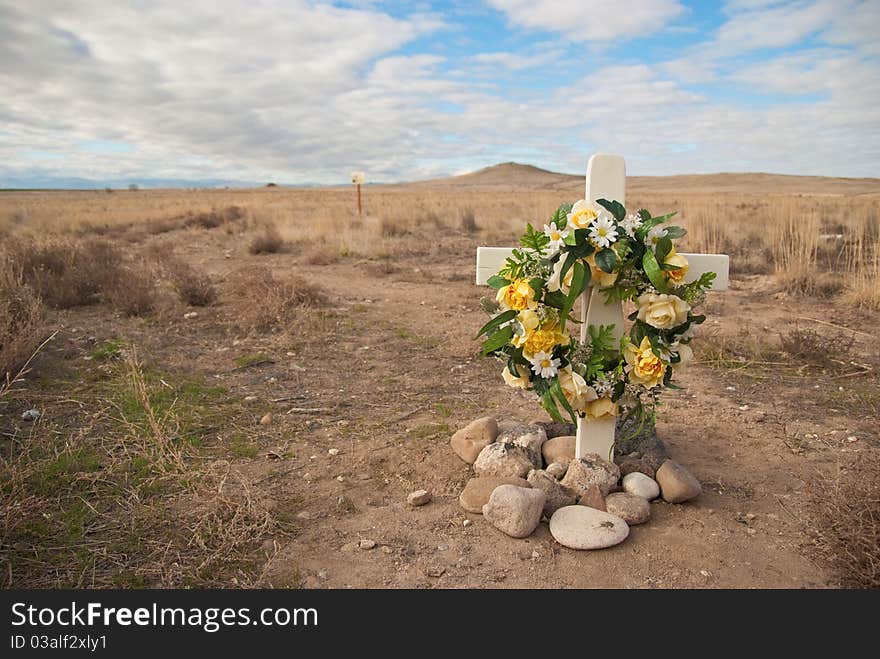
pixel 357 178
pixel 606 179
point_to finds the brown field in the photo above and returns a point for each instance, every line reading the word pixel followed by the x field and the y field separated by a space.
pixel 180 319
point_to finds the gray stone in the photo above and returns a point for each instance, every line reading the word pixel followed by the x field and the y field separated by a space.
pixel 588 471
pixel 556 428
pixel 419 498
pixel 31 415
pixel 640 485
pixel 532 443
pixel 367 544
pixel 473 438
pixel 633 465
pixel 556 495
pixel 478 490
pixel 631 508
pixel 514 510
pixel 557 469
pixel 503 460
pixel 510 430
pixel 593 498
pixel 677 484
pixel 582 527
pixel 559 449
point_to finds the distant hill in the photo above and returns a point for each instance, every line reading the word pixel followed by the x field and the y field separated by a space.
pixel 512 174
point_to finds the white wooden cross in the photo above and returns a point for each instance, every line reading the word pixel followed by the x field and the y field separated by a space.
pixel 606 179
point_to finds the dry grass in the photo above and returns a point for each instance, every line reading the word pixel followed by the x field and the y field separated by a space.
pixel 127 499
pixel 265 303
pixel 267 241
pixel 847 521
pixel 192 287
pixel 21 320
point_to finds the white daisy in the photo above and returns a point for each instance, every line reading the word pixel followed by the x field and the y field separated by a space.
pixel 630 223
pixel 656 234
pixel 545 365
pixel 603 386
pixel 603 231
pixel 557 236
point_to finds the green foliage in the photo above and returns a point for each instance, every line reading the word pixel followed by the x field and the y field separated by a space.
pixel 560 216
pixel 496 282
pixel 110 349
pixel 534 240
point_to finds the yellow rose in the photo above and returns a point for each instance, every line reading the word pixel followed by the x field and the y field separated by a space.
pixel 582 215
pixel 517 295
pixel 542 339
pixel 553 284
pixel 662 311
pixel 577 392
pixel 600 278
pixel 522 381
pixel 642 365
pixel 600 408
pixel 676 276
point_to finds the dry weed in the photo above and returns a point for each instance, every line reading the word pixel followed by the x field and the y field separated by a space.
pixel 265 303
pixel 21 320
pixel 268 241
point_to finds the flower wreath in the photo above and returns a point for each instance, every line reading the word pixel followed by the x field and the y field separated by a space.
pixel 629 257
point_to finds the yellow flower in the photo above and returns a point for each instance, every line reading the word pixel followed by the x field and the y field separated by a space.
pixel 577 392
pixel 662 311
pixel 676 276
pixel 522 381
pixel 582 215
pixel 536 338
pixel 600 278
pixel 600 408
pixel 642 365
pixel 517 295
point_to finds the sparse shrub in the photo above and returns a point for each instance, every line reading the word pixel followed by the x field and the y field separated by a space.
pixel 320 256
pixel 193 287
pixel 810 347
pixel 132 292
pixel 21 316
pixel 846 516
pixel 266 303
pixel 392 228
pixel 469 221
pixel 269 241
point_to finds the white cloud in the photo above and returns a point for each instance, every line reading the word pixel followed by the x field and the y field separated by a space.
pixel 597 20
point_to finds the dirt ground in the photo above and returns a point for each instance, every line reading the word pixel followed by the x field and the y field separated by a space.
pixel 389 370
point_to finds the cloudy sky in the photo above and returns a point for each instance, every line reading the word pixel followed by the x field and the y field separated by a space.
pixel 298 91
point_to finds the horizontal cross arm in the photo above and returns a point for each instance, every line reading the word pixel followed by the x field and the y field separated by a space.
pixel 491 259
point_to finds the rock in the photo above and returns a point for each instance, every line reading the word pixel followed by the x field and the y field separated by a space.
pixel 532 443
pixel 677 484
pixel 514 510
pixel 478 490
pixel 556 428
pixel 588 471
pixel 510 430
pixel 332 451
pixel 593 498
pixel 556 495
pixel 634 435
pixel 557 469
pixel 367 544
pixel 419 498
pixel 31 415
pixel 559 449
pixel 631 508
pixel 654 457
pixel 466 523
pixel 267 419
pixel 473 438
pixel 503 460
pixel 633 465
pixel 582 527
pixel 640 485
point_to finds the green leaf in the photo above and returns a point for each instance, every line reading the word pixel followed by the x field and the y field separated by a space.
pixel 606 259
pixel 556 299
pixel 533 239
pixel 496 282
pixel 579 281
pixel 664 246
pixel 543 390
pixel 497 340
pixel 651 222
pixel 570 259
pixel 655 274
pixel 561 216
pixel 613 207
pixel 537 285
pixel 637 333
pixel 556 390
pixel 618 390
pixel 676 232
pixel 500 319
